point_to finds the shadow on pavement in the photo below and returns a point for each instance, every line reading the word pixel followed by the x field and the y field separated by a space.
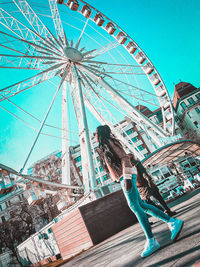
pixel 176 257
pixel 108 248
pixel 188 208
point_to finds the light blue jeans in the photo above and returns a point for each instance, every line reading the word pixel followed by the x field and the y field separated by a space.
pixel 140 208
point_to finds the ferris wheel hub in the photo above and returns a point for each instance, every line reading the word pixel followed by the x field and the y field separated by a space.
pixel 73 54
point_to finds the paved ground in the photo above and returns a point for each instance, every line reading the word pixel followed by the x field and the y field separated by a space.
pixel 124 248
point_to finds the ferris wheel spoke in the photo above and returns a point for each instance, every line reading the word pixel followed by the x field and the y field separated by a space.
pixel 139 98
pixel 45 118
pixel 46 50
pixel 122 82
pixel 33 128
pixel 130 95
pixel 12 49
pixel 103 49
pixel 57 20
pixel 35 22
pixel 25 32
pixel 32 18
pixel 124 103
pixel 32 116
pixel 27 64
pixel 115 69
pixel 57 66
pixel 83 30
pixel 15 26
pixel 25 84
pixel 111 64
pixel 19 29
pixel 32 57
pixel 18 68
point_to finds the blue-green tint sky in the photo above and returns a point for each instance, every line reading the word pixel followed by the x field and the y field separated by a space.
pixel 167 31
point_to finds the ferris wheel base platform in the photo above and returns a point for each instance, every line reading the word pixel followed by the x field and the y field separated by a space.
pixel 92 223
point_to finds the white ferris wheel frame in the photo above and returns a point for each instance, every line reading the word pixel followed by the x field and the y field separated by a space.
pixel 122 39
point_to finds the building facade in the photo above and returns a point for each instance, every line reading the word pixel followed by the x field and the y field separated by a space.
pixel 186 103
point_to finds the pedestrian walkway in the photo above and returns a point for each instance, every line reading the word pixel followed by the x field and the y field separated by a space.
pixel 124 248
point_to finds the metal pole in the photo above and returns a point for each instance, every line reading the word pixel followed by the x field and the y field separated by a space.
pixel 86 131
pixel 66 178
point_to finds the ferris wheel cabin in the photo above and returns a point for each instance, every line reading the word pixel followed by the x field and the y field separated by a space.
pixel 140 57
pixel 73 5
pixel 131 47
pixel 86 11
pixel 121 37
pixel 98 19
pixel 110 28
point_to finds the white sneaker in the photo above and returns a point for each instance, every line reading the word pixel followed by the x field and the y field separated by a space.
pixel 150 247
pixel 175 226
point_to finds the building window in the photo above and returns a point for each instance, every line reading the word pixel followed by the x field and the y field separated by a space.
pixel 99 169
pixel 166 172
pixel 140 147
pixel 189 115
pixel 191 101
pixel 134 139
pixel 197 110
pixel 196 124
pixel 78 159
pixel 198 96
pixel 105 177
pixel 98 181
pixel 130 131
pixel 183 105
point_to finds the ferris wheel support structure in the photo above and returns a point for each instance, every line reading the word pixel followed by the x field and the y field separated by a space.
pixel 86 140
pixel 105 85
pixel 66 175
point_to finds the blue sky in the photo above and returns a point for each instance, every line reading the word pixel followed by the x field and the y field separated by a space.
pixel 168 32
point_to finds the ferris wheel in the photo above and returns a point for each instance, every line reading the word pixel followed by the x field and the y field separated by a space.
pixel 79 50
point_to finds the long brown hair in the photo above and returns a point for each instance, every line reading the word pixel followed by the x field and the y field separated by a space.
pixel 104 135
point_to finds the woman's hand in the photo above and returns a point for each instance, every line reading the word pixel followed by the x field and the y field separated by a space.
pixel 127 184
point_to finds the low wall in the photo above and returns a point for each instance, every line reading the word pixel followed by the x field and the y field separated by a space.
pixel 92 223
pixel 107 216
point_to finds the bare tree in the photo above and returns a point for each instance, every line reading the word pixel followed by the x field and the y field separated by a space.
pixel 49 209
pixel 18 228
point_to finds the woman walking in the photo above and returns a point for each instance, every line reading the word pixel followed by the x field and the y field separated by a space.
pixel 115 160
